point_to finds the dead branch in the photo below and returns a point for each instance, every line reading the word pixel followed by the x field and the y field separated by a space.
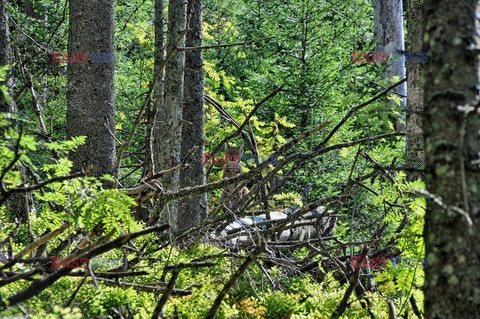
pixel 109 275
pixel 229 119
pixel 146 288
pixel 22 189
pixel 168 291
pixel 41 284
pixel 355 109
pixel 151 182
pixel 353 282
pixel 251 258
pixel 42 240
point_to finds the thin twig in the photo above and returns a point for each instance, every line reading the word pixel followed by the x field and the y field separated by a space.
pixel 356 108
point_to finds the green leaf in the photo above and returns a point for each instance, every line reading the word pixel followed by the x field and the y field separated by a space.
pixel 3 72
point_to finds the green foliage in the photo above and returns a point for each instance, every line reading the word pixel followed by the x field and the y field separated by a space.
pixel 82 201
pixel 59 313
pixel 3 76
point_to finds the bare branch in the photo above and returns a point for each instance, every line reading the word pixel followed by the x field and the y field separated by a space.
pixel 40 285
pixel 251 258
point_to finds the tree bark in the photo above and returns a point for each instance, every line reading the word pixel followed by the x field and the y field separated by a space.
pixel 91 90
pixel 158 98
pixel 19 204
pixel 6 58
pixel 415 147
pixel 192 210
pixel 388 31
pixel 168 125
pixel 153 142
pixel 452 126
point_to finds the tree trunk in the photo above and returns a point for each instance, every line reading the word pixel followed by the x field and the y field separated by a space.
pixel 415 147
pixel 6 58
pixel 452 126
pixel 91 90
pixel 19 204
pixel 388 31
pixel 153 144
pixel 158 103
pixel 192 210
pixel 168 126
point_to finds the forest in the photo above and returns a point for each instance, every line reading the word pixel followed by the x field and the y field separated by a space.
pixel 239 159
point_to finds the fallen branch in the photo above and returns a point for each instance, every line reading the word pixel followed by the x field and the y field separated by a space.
pixel 251 258
pixel 353 282
pixel 40 285
pixel 42 240
pixel 168 291
pixel 145 288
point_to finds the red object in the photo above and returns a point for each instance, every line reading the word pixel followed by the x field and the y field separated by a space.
pixel 222 161
pixel 54 262
pixel 59 262
pixel 355 57
pixel 373 263
pixel 356 262
pixel 375 57
pixel 206 159
pixel 233 159
pixel 75 57
pixel 55 55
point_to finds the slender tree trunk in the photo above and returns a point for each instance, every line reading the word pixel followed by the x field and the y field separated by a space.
pixel 91 91
pixel 192 211
pixel 6 58
pixel 153 142
pixel 158 103
pixel 388 31
pixel 19 204
pixel 452 128
pixel 415 147
pixel 168 125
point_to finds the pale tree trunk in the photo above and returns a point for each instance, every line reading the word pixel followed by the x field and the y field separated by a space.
pixel 19 204
pixel 91 90
pixel 168 126
pixel 388 31
pixel 192 210
pixel 415 147
pixel 452 128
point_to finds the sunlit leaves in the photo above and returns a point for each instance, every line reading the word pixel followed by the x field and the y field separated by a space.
pixel 68 145
pixel 141 33
pixel 288 199
pixel 3 88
